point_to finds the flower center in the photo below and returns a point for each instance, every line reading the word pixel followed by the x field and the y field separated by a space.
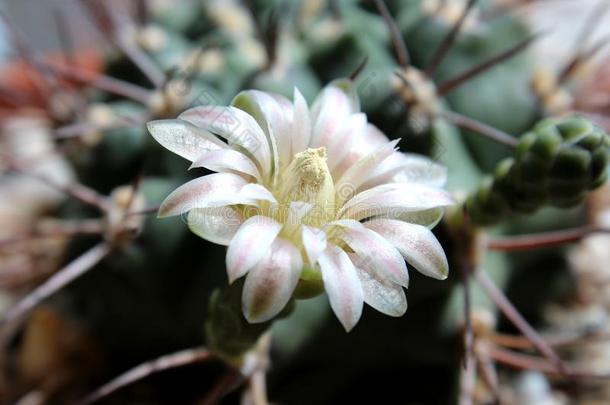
pixel 308 179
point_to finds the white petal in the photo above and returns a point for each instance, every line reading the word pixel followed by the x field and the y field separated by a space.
pixel 353 177
pixel 342 285
pixel 270 111
pixel 301 124
pixel 394 198
pixel 428 218
pixel 237 127
pixel 254 191
pixel 332 107
pixel 406 168
pixel 314 242
pixel 379 292
pixel 227 160
pixel 340 145
pixel 383 257
pixel 416 243
pixel 371 139
pixel 270 284
pixel 339 95
pixel 213 190
pixel 183 138
pixel 420 169
pixel 217 225
pixel 385 171
pixel 250 245
pixel 296 211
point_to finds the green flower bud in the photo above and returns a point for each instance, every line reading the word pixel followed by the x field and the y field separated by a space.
pixel 555 164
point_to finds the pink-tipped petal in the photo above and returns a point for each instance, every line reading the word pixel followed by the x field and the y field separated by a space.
pixel 217 225
pixel 314 242
pixel 420 169
pixel 237 127
pixel 183 138
pixel 371 139
pixel 428 218
pixel 379 292
pixel 257 192
pixel 213 190
pixel 416 243
pixel 340 94
pixel 332 107
pixel 378 253
pixel 227 160
pixel 349 130
pixel 406 168
pixel 273 112
pixel 394 198
pixel 250 245
pixel 358 173
pixel 270 284
pixel 342 285
pixel 301 124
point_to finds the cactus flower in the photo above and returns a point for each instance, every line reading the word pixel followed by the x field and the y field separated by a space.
pixel 304 195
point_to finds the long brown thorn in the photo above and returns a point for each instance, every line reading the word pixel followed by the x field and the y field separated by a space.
pixel 480 128
pixel 513 315
pixel 448 41
pixel 163 363
pixel 400 48
pixel 484 66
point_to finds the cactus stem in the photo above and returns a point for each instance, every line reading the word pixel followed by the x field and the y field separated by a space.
pixel 448 41
pixel 169 361
pixel 482 67
pixel 480 128
pixel 400 48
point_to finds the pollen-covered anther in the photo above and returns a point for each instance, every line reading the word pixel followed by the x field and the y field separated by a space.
pixel 308 179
